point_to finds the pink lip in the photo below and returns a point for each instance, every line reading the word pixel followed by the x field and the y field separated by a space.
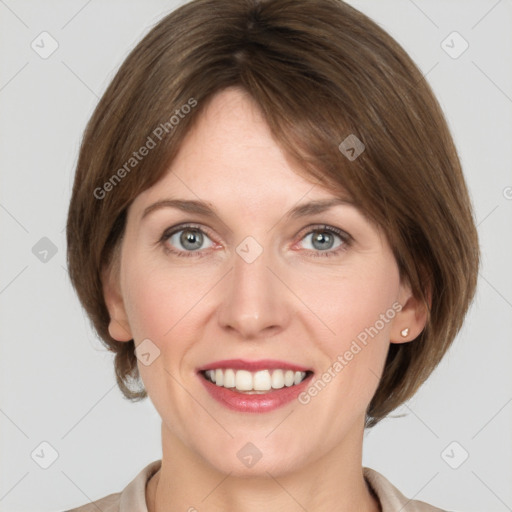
pixel 253 366
pixel 264 402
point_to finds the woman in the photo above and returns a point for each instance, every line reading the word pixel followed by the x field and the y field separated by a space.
pixel 270 229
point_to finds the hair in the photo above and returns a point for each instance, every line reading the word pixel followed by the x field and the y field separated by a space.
pixel 320 71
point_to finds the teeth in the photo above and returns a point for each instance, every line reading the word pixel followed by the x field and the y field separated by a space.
pixel 289 378
pixel 277 379
pixel 298 377
pixel 229 379
pixel 243 380
pixel 260 381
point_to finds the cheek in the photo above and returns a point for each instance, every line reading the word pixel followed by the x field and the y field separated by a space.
pixel 358 311
pixel 161 300
pixel 149 306
pixel 354 302
pixel 160 307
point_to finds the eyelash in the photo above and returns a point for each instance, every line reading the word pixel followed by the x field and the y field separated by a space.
pixel 345 237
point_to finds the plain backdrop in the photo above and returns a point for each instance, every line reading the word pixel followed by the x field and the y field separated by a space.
pixel 451 445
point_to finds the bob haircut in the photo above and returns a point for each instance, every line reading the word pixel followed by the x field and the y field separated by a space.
pixel 320 71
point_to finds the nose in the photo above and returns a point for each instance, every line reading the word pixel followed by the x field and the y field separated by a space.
pixel 254 300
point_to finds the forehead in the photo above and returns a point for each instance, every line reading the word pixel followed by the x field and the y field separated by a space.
pixel 230 155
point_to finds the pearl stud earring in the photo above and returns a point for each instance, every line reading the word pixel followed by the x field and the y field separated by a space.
pixel 405 332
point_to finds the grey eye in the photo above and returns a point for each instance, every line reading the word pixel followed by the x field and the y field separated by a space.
pixel 190 239
pixel 322 240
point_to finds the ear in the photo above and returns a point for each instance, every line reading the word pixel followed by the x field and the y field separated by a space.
pixel 412 318
pixel 118 327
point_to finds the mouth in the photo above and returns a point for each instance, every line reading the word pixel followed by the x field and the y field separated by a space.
pixel 259 382
pixel 254 386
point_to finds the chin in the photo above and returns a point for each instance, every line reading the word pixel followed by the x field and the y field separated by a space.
pixel 244 458
pixel 258 468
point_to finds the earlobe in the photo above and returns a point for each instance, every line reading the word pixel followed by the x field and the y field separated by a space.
pixel 118 327
pixel 411 320
pixel 119 331
pixel 404 332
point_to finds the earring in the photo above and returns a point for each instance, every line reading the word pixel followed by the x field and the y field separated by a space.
pixel 405 332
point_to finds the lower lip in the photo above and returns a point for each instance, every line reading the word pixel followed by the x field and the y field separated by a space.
pixel 264 402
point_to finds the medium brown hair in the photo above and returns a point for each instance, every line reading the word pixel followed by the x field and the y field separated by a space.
pixel 320 71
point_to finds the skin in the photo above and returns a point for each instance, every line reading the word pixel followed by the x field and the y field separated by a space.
pixel 287 305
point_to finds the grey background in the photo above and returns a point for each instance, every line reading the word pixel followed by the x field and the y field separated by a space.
pixel 57 382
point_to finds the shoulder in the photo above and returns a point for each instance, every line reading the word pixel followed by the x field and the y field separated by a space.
pixel 391 499
pixel 108 503
pixel 131 499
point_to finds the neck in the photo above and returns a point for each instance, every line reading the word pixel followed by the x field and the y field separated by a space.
pixel 187 482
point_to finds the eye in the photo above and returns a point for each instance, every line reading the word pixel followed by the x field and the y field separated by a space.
pixel 185 241
pixel 323 239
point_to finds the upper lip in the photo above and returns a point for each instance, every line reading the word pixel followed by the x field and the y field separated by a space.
pixel 253 366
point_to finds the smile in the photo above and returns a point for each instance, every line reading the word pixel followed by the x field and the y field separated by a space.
pixel 254 382
pixel 254 386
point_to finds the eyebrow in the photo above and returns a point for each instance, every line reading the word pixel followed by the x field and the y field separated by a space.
pixel 204 209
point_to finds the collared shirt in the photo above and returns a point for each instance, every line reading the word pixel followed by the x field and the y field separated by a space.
pixel 133 497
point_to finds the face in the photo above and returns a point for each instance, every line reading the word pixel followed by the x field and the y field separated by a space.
pixel 254 281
